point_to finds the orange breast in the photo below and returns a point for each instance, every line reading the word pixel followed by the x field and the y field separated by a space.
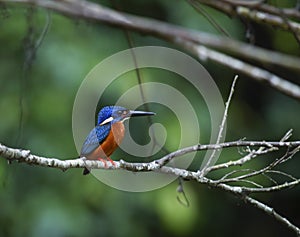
pixel 110 144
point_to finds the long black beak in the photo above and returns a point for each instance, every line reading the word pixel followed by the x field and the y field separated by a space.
pixel 133 113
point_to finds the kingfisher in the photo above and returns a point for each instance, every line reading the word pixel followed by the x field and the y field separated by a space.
pixel 108 133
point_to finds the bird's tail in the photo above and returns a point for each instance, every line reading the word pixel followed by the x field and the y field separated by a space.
pixel 85 171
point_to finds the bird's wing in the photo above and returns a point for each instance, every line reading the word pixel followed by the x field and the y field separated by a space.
pixel 94 139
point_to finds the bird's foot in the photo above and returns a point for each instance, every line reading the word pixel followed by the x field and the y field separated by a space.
pixel 105 161
pixel 111 161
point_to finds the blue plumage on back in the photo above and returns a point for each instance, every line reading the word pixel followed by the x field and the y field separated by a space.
pixel 100 132
pixel 95 138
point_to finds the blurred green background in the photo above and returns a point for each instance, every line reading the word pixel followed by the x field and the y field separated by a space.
pixel 37 201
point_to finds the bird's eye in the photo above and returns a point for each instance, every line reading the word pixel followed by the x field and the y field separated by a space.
pixel 122 112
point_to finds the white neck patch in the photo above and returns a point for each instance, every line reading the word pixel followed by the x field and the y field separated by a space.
pixel 108 120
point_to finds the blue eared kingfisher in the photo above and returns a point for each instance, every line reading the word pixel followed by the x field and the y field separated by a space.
pixel 109 132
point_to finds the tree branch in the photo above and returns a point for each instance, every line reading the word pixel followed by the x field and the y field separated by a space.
pixel 254 72
pixel 183 37
pixel 255 11
pixel 270 211
pixel 25 156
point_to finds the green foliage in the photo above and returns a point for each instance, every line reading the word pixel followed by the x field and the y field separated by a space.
pixel 44 202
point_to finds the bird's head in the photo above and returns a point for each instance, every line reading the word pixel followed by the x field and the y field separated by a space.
pixel 113 114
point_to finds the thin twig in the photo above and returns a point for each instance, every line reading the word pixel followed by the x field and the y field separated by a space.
pixel 251 155
pixel 281 173
pixel 240 143
pixel 288 155
pixel 225 176
pixel 287 135
pixel 209 162
pixel 210 19
pixel 31 46
pixel 185 202
pixel 270 211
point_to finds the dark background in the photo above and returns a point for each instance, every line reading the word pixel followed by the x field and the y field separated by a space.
pixel 37 201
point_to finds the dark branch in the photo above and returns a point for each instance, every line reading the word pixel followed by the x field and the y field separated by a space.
pixel 181 36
